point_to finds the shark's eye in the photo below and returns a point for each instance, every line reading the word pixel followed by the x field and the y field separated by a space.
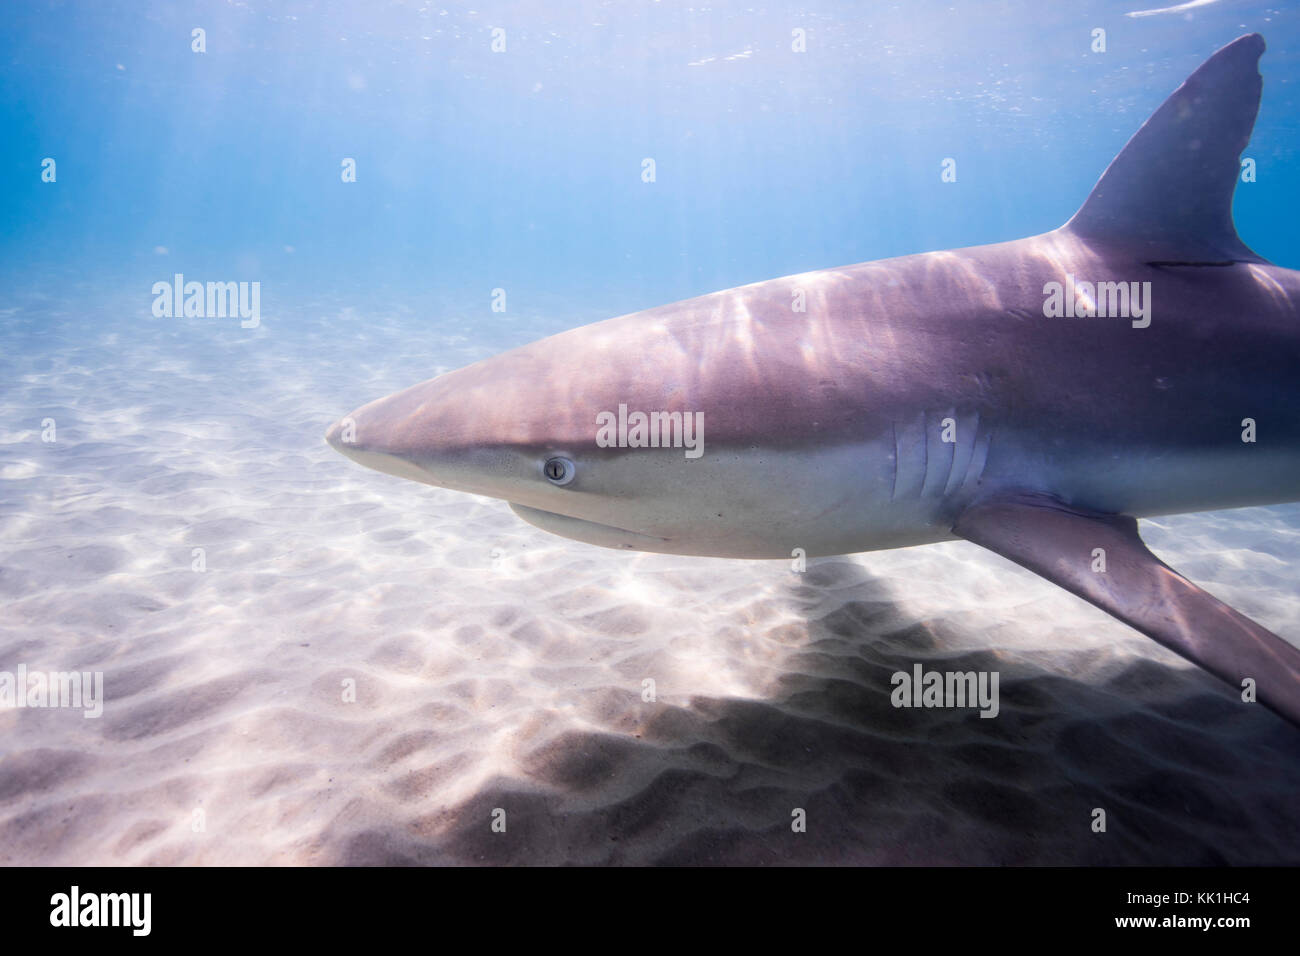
pixel 558 471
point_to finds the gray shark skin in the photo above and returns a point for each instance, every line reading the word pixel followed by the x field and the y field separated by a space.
pixel 929 397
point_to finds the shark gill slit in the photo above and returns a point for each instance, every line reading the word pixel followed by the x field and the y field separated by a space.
pixel 925 452
pixel 979 459
pixel 948 468
pixel 963 452
pixel 898 451
pixel 945 461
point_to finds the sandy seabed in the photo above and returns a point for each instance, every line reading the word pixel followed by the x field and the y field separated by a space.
pixel 498 668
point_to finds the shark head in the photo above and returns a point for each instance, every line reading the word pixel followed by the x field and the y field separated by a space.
pixel 581 433
pixel 658 431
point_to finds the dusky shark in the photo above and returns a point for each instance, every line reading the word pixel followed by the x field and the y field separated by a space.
pixel 1002 394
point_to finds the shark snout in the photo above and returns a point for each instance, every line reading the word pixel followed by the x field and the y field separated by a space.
pixel 347 437
pixel 334 436
pixel 342 437
pixel 369 439
pixel 418 433
pixel 364 432
pixel 385 426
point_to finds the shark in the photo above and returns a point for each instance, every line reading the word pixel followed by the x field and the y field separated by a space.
pixel 1035 397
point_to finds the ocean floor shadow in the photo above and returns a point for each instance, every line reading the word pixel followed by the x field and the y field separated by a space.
pixel 1184 775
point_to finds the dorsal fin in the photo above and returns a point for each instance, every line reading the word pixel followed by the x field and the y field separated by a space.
pixel 1172 184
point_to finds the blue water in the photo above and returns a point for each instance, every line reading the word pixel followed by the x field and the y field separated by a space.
pixel 522 169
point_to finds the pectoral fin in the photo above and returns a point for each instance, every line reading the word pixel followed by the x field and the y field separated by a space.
pixel 1060 543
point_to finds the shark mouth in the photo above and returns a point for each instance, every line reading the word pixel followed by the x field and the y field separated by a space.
pixel 592 532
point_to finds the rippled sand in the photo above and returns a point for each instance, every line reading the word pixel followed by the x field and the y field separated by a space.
pixel 497 668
